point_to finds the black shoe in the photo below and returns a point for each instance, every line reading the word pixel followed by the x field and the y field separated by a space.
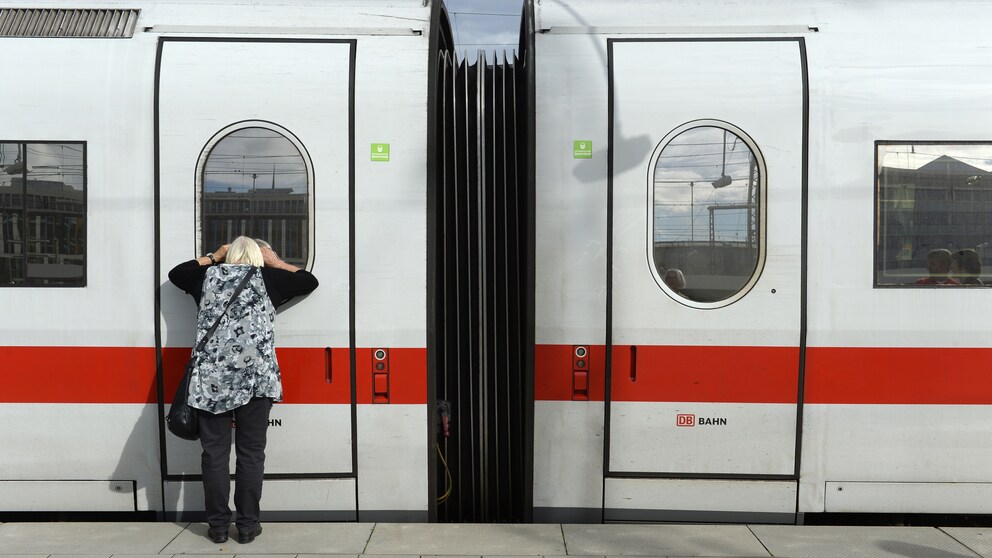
pixel 218 535
pixel 245 537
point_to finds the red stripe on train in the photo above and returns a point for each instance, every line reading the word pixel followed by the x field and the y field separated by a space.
pixel 127 375
pixel 907 376
pixel 705 374
pixel 674 373
pixel 78 375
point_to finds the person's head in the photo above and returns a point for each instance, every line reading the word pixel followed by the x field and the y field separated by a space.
pixel 262 244
pixel 244 250
pixel 675 280
pixel 939 261
pixel 967 263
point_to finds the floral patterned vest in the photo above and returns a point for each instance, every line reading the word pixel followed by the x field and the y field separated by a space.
pixel 239 361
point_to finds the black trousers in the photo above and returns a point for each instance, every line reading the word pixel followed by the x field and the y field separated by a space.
pixel 252 420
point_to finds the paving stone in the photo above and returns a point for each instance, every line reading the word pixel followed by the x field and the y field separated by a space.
pixel 285 539
pixel 79 539
pixel 434 539
pixel 662 540
pixel 822 541
pixel 978 539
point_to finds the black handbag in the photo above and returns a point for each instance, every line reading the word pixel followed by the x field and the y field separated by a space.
pixel 182 419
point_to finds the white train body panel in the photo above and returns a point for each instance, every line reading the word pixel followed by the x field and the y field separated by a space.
pixel 632 499
pixel 866 415
pixel 327 73
pixel 568 434
pixel 120 158
pixel 569 291
pixel 57 467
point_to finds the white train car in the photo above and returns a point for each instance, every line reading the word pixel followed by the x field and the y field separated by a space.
pixel 741 280
pixel 734 204
pixel 139 135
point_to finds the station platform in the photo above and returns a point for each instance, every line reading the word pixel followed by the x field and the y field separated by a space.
pixel 402 540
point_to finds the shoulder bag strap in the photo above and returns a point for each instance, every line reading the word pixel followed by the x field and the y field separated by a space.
pixel 237 291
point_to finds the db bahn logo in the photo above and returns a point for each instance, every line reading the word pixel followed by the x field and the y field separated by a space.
pixel 691 420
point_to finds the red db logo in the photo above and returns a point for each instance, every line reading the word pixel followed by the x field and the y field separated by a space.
pixel 685 420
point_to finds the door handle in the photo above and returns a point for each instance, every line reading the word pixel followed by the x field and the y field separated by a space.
pixel 633 363
pixel 328 367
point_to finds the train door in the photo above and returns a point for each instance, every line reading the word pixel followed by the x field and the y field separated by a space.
pixel 254 137
pixel 706 290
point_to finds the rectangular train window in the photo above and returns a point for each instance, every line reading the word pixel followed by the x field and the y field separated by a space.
pixel 933 203
pixel 42 214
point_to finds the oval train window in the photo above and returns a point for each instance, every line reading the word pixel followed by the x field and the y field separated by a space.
pixel 256 181
pixel 707 219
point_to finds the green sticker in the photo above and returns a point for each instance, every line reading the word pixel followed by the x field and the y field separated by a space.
pixel 380 152
pixel 582 149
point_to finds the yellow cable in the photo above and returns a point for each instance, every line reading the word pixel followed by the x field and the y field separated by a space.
pixel 447 475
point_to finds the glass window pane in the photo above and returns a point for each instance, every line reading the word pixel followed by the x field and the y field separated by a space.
pixel 249 176
pixel 934 214
pixel 12 261
pixel 706 216
pixel 43 221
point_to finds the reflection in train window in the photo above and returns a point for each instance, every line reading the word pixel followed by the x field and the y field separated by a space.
pixel 43 214
pixel 933 214
pixel 256 182
pixel 706 213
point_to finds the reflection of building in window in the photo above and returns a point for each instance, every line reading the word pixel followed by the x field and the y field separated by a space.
pixel 277 215
pixel 255 182
pixel 945 203
pixel 42 222
pixel 707 206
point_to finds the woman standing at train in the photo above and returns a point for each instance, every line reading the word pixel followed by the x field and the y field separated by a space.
pixel 237 374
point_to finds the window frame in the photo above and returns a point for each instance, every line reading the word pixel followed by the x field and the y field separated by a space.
pixel 84 148
pixel 877 210
pixel 762 212
pixel 199 182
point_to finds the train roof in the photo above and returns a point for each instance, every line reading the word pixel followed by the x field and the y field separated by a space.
pixel 298 17
pixel 750 16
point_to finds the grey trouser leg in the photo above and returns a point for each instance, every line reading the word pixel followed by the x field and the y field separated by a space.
pixel 215 438
pixel 249 441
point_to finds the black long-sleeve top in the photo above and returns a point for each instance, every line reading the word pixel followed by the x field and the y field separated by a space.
pixel 281 285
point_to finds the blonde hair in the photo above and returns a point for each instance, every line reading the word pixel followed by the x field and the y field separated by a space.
pixel 263 244
pixel 244 250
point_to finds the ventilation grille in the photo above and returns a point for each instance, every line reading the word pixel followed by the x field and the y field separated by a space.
pixel 30 22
